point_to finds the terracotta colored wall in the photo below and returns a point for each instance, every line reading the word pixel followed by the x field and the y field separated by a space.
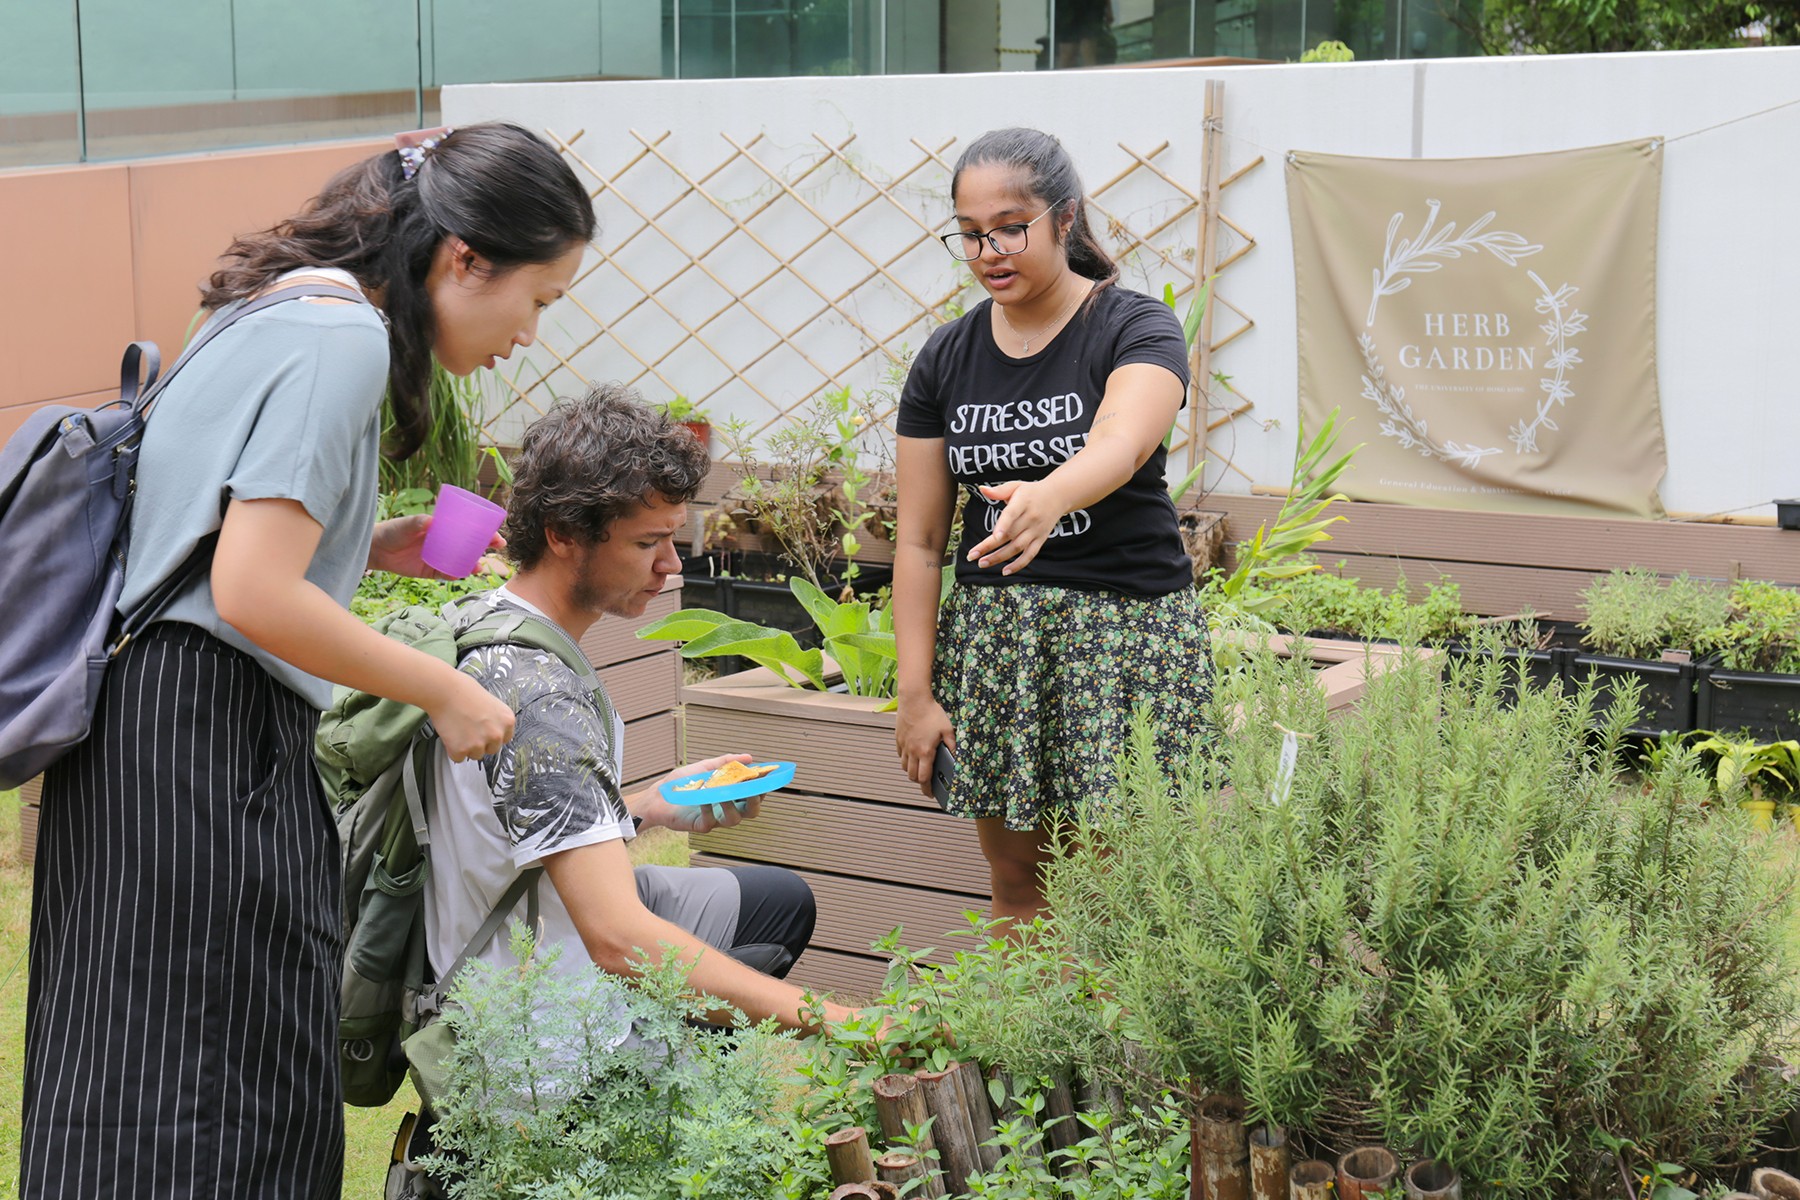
pixel 96 256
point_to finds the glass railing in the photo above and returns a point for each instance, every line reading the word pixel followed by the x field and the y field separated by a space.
pixel 88 80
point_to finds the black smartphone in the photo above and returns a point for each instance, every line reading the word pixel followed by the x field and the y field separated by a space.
pixel 943 770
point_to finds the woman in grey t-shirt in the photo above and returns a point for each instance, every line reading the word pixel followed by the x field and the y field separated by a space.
pixel 181 1029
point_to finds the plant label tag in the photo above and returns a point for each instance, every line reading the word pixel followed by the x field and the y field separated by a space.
pixel 1284 771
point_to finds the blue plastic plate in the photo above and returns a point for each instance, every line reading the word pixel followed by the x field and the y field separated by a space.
pixel 780 777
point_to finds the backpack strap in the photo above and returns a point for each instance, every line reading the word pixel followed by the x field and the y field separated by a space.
pixel 525 886
pixel 144 356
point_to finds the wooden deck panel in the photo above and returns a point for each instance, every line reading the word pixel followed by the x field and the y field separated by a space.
pixel 828 833
pixel 862 762
pixel 651 746
pixel 614 639
pixel 853 913
pixel 847 978
pixel 643 686
pixel 1488 589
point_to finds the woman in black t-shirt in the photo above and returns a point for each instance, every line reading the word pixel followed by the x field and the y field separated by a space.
pixel 1074 602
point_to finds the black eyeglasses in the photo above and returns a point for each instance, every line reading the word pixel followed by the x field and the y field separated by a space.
pixel 1005 239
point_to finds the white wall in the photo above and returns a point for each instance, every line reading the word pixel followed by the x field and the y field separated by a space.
pixel 1729 269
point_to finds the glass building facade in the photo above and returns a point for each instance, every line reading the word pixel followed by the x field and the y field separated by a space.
pixel 89 80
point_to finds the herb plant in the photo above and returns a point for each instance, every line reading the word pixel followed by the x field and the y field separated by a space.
pixel 380 592
pixel 1634 614
pixel 816 503
pixel 585 1087
pixel 1455 928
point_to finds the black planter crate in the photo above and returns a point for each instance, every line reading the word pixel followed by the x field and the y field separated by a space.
pixel 1667 703
pixel 1762 705
pixel 1540 668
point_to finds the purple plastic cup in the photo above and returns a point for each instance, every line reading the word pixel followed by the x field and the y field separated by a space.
pixel 462 527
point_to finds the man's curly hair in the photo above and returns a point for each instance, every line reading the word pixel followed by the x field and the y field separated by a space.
pixel 588 462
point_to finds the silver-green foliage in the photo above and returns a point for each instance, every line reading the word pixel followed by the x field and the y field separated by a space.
pixel 1460 931
pixel 545 1103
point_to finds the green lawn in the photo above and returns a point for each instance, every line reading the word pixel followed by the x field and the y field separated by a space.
pixel 368 1132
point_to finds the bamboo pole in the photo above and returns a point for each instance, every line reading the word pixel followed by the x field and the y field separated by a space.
pixel 952 1129
pixel 1430 1179
pixel 981 1113
pixel 1268 1163
pixel 1224 1150
pixel 1311 1180
pixel 900 1169
pixel 873 1190
pixel 1368 1169
pixel 1212 146
pixel 847 1153
pixel 1769 1184
pixel 900 1102
pixel 1061 1127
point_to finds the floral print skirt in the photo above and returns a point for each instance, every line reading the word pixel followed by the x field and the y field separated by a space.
pixel 1040 684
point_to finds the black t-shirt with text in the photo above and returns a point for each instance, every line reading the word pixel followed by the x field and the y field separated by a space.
pixel 1006 418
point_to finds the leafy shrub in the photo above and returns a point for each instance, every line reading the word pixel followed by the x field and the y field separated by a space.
pixel 1634 614
pixel 381 592
pixel 1457 928
pixel 1761 630
pixel 1317 602
pixel 549 1099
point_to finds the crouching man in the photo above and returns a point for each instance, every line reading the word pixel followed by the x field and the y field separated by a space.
pixel 600 489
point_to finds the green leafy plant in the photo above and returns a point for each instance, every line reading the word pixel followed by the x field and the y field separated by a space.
pixel 1277 551
pixel 1765 770
pixel 858 634
pixel 815 503
pixel 1760 630
pixel 1329 51
pixel 685 411
pixel 1635 614
pixel 1451 924
pixel 578 1084
pixel 380 592
pixel 1317 601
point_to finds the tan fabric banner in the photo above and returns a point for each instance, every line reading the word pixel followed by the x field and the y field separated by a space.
pixel 1487 326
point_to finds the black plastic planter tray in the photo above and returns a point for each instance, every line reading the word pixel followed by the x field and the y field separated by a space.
pixel 1541 668
pixel 1667 703
pixel 734 582
pixel 1761 705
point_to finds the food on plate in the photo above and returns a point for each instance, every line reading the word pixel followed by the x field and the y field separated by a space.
pixel 731 772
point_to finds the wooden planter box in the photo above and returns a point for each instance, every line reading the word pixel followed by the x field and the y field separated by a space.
pixel 876 853
pixel 31 792
pixel 643 679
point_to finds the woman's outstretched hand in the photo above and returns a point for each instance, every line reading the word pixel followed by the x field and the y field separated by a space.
pixel 1024 525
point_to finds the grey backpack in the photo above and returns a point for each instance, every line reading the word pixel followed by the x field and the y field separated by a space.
pixel 67 478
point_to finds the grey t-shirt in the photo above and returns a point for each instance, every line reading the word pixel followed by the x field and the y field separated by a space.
pixel 285 404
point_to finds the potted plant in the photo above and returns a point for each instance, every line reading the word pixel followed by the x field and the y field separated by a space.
pixel 683 411
pixel 1753 683
pixel 807 494
pixel 1759 776
pixel 1638 627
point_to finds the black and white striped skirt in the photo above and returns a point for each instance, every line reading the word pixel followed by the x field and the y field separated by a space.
pixel 181 1026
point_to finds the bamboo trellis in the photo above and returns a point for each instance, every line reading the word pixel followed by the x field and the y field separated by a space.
pixel 759 280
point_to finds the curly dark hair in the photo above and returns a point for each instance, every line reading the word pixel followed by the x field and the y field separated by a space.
pixel 588 462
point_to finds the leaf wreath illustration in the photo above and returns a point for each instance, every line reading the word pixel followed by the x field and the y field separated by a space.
pixel 1405 257
pixel 1403 424
pixel 1414 256
pixel 1565 322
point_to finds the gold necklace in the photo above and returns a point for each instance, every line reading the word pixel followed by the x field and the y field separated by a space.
pixel 1025 342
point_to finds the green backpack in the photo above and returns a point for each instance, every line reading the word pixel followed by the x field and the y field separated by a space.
pixel 375 759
